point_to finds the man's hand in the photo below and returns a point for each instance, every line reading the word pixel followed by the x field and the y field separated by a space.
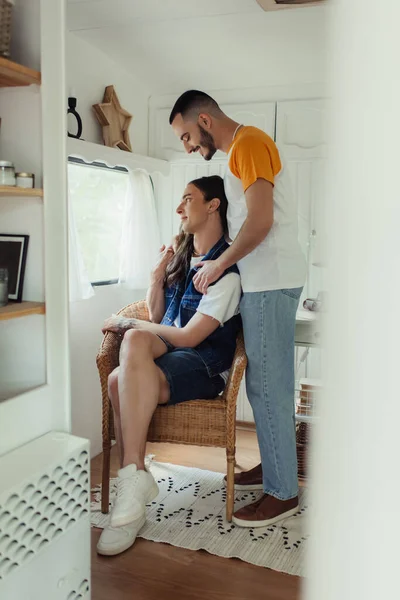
pixel 209 272
pixel 120 325
pixel 117 324
pixel 166 255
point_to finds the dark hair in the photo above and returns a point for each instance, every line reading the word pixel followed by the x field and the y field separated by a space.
pixel 211 187
pixel 193 101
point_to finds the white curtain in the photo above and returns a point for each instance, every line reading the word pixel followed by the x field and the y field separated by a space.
pixel 140 241
pixel 80 287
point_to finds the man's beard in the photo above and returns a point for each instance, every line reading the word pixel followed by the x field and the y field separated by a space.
pixel 207 141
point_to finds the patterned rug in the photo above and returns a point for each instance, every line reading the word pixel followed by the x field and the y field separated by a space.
pixel 190 513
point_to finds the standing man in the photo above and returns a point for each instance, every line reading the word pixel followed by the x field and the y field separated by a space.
pixel 262 219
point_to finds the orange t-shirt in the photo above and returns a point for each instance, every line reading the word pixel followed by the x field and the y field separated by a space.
pixel 254 156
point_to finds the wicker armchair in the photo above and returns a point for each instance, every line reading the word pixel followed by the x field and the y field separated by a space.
pixel 198 422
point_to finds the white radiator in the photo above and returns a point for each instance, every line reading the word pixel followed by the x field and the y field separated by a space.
pixel 45 520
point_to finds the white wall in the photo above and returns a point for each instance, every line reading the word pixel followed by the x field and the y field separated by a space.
pixel 179 51
pixel 86 319
pixel 89 71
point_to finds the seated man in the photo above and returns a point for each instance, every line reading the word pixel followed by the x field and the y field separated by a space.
pixel 183 354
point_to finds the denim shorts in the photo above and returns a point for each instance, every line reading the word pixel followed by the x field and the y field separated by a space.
pixel 187 375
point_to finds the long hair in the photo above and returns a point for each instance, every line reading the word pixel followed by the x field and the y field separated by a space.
pixel 211 187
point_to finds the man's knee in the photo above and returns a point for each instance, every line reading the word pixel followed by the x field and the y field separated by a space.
pixel 136 344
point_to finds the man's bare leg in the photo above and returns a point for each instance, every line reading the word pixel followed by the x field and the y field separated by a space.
pixel 113 391
pixel 141 387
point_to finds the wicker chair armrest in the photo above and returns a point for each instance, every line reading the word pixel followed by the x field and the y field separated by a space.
pixel 137 310
pixel 109 349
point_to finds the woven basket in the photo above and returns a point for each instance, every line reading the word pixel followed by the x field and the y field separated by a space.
pixel 5 27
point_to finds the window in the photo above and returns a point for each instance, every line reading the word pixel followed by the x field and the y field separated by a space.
pixel 98 196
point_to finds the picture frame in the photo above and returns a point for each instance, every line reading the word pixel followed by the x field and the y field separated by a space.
pixel 13 253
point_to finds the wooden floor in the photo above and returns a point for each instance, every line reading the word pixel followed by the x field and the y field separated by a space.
pixel 152 571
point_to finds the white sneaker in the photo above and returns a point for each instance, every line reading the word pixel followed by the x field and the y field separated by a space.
pixel 114 540
pixel 134 490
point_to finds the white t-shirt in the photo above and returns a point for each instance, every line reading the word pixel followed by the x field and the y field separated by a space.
pixel 221 301
pixel 278 262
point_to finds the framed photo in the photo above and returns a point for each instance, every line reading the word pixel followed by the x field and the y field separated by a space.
pixel 13 251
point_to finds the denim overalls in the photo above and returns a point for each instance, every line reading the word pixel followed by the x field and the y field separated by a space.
pixel 182 300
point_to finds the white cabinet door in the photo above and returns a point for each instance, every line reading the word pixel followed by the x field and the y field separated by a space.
pixel 301 137
pixel 164 143
pixel 301 128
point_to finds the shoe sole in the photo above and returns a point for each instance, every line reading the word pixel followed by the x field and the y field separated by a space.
pixel 121 521
pixel 115 551
pixel 119 549
pixel 266 522
pixel 246 488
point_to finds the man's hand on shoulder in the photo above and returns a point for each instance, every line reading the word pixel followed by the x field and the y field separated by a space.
pixel 209 272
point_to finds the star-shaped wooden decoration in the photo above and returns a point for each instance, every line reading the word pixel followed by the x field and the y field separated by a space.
pixel 114 120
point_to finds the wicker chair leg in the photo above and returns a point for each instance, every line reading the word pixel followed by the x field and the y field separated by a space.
pixel 105 481
pixel 230 485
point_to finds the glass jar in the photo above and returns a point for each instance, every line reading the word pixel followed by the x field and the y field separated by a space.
pixel 25 180
pixel 7 173
pixel 3 286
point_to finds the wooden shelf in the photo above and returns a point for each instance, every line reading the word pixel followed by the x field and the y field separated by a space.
pixel 10 190
pixel 14 75
pixel 15 310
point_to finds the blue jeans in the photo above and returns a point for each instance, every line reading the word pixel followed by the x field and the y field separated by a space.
pixel 269 320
